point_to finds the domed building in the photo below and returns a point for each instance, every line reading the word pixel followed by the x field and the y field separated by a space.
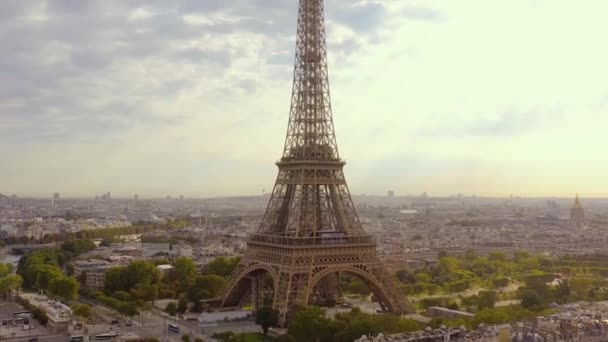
pixel 577 213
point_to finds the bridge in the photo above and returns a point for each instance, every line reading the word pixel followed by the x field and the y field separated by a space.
pixel 25 249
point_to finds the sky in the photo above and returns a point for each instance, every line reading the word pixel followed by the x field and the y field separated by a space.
pixel 192 97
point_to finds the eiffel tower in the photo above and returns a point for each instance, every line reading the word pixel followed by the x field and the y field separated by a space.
pixel 310 233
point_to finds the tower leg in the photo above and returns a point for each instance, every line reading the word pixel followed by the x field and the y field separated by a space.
pixel 290 293
pixel 329 288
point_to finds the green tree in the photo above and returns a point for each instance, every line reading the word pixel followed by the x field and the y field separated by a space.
pixel 146 292
pixel 285 338
pixel 447 268
pixel 182 303
pixel 529 264
pixel 482 267
pixel 406 277
pixel 65 288
pixel 459 285
pixel 44 275
pixel 487 299
pixel 115 279
pixel 519 255
pixel 5 269
pixel 470 255
pixel 82 311
pixel 185 338
pixel 537 281
pixel 530 299
pixel 350 326
pixel 171 308
pixel 491 316
pixel 128 309
pixel 423 277
pixel 310 324
pixel 580 287
pixel 206 286
pixel 141 272
pixel 359 287
pixel 10 283
pixel 500 282
pixel 184 273
pixel 497 256
pixel 221 266
pixel 226 336
pixel 267 317
pixel 77 246
pixel 562 291
pixel 138 274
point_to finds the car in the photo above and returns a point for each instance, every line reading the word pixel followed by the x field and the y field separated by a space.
pixel 33 339
pixel 115 322
pixel 129 323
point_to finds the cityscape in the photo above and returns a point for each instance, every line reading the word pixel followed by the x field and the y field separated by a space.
pixel 316 257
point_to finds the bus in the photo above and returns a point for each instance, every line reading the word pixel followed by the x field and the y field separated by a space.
pixel 77 338
pixel 173 328
pixel 106 336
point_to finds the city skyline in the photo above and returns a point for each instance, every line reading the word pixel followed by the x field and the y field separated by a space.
pixel 173 99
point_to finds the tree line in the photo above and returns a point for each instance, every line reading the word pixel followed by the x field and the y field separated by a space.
pixel 132 288
pixel 43 270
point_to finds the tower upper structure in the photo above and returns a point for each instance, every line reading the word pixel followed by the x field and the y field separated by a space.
pixel 310 198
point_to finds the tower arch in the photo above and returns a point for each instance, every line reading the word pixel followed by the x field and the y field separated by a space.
pixel 243 279
pixel 375 284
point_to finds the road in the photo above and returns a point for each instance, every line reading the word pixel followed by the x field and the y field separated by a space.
pixel 45 338
pixel 154 324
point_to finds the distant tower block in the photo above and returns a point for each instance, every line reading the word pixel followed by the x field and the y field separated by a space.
pixel 390 194
pixel 56 196
pixel 577 213
pixel 310 233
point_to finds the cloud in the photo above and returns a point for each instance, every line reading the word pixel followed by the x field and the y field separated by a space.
pixel 420 13
pixel 173 86
pixel 510 122
pixel 69 66
pixel 361 17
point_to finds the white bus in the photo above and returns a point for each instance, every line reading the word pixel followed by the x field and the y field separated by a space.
pixel 106 336
pixel 173 328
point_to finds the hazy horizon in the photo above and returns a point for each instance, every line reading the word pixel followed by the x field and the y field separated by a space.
pixel 192 97
pixel 122 196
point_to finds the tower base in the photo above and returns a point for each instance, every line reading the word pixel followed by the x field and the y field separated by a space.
pixel 301 268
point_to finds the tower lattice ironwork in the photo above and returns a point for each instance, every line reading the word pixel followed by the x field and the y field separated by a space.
pixel 310 233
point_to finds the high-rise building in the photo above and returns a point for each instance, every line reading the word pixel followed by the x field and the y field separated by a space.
pixel 577 212
pixel 390 194
pixel 108 196
pixel 310 233
pixel 56 196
